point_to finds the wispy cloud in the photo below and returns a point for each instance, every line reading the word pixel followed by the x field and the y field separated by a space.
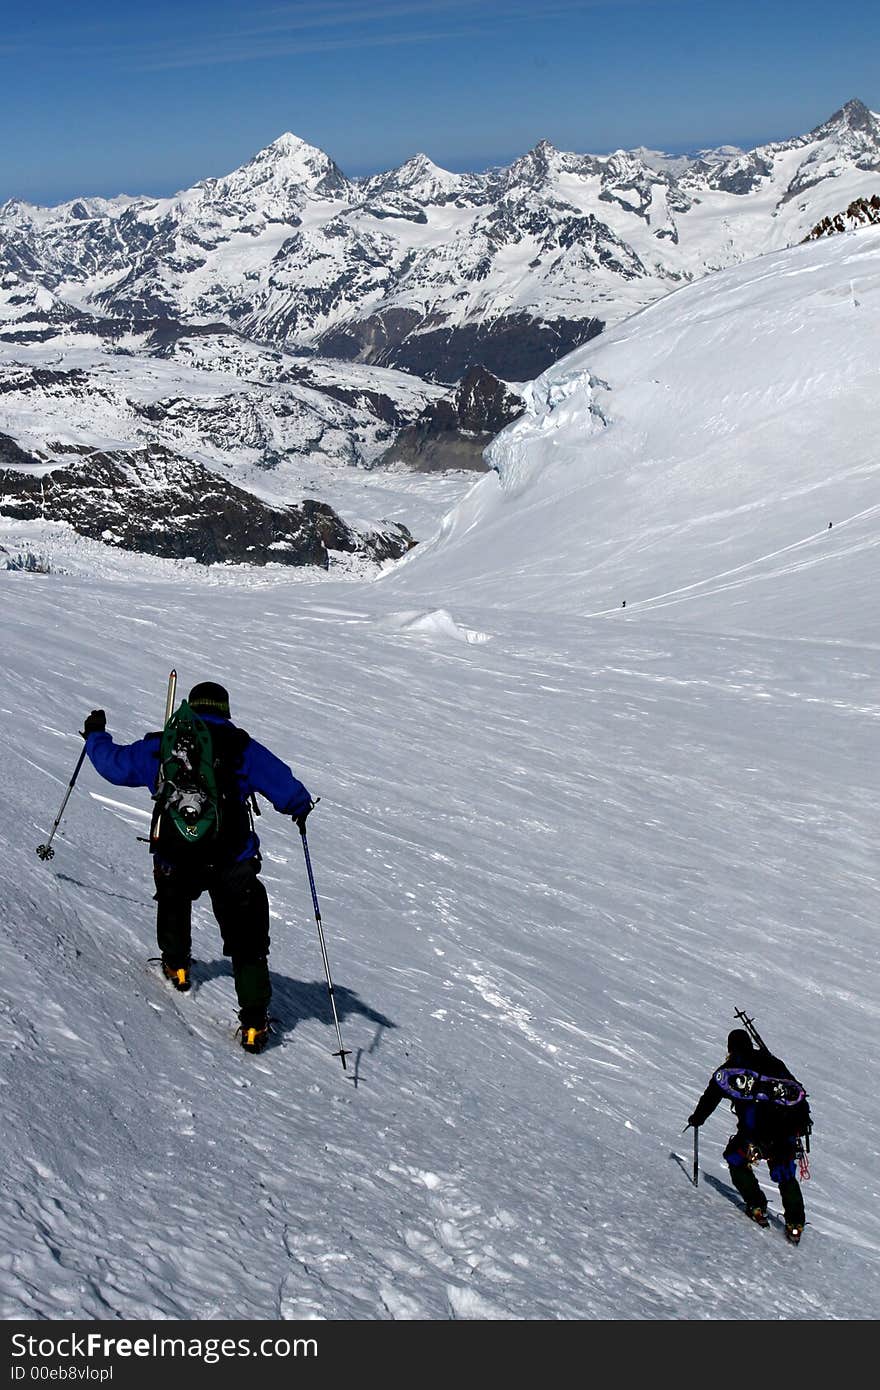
pixel 287 30
pixel 285 18
pixel 310 15
pixel 263 38
pixel 236 49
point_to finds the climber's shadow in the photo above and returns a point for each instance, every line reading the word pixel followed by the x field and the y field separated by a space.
pixel 298 1001
pixel 295 1001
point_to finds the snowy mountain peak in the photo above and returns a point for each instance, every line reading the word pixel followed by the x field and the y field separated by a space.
pixel 419 178
pixel 422 165
pixel 16 212
pixel 290 164
pixel 719 153
pixel 534 169
pixel 292 149
pixel 658 160
pixel 850 138
pixel 853 131
pixel 626 163
pixel 853 115
pixel 541 157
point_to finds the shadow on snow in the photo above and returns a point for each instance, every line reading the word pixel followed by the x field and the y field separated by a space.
pixel 297 1001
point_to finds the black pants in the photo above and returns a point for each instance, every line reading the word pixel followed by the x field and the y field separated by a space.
pixel 780 1155
pixel 241 907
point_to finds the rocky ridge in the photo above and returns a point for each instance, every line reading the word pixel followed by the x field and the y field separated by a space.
pixel 862 212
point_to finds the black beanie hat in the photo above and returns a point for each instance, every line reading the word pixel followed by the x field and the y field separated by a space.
pixel 738 1042
pixel 210 698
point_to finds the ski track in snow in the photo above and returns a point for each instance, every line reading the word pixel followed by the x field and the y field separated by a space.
pixel 558 844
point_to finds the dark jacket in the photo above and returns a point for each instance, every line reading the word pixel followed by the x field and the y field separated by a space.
pixel 758 1119
pixel 258 770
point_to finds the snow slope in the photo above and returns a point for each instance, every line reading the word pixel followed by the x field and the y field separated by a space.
pixel 690 461
pixel 559 843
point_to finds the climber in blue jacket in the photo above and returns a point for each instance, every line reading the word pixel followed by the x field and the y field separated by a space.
pixel 226 863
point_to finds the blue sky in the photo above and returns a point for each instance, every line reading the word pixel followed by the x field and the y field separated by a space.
pixel 103 97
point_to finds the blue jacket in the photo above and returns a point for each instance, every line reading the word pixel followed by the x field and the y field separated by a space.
pixel 137 765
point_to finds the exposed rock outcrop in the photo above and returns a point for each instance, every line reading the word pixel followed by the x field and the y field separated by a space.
pixel 454 431
pixel 862 212
pixel 154 501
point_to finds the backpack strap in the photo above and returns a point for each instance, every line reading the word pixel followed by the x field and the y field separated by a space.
pixel 230 744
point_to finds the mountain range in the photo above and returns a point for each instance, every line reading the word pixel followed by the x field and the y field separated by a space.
pixel 286 318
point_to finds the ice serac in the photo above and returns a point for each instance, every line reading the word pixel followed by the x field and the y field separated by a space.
pixel 694 460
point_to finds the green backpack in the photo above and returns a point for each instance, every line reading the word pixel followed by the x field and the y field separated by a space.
pixel 188 794
pixel 200 812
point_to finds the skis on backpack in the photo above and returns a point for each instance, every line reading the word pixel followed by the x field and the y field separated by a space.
pixel 157 814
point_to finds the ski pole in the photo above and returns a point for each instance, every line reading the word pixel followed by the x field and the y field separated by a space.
pixel 342 1053
pixel 46 851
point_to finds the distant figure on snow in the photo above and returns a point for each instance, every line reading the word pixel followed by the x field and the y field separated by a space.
pixel 203 837
pixel 765 1130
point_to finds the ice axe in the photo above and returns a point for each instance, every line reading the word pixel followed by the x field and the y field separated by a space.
pixel 696 1130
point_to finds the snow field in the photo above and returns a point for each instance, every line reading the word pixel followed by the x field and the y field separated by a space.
pixel 548 872
pixel 551 862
